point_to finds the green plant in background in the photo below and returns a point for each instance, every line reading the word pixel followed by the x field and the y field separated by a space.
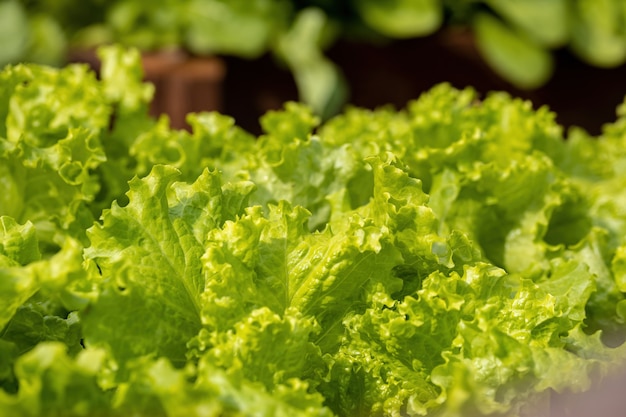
pixel 595 31
pixel 454 258
pixel 514 36
pixel 30 37
pixel 42 31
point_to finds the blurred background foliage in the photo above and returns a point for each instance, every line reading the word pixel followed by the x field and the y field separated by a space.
pixel 516 38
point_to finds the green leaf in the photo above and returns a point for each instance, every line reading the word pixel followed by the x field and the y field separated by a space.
pixel 399 204
pixel 241 27
pixel 32 324
pixel 156 388
pixel 51 384
pixel 296 121
pixel 156 300
pixel 48 43
pixel 277 260
pixel 18 248
pixel 401 18
pixel 598 34
pixel 122 79
pixel 618 267
pixel 267 348
pixel 14 35
pixel 454 258
pixel 319 81
pixel 52 186
pixel 44 104
pixel 511 54
pixel 544 21
pixel 51 147
pixel 39 298
pixel 18 243
pixel 133 23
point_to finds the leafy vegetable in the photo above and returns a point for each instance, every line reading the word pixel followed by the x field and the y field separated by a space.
pixel 457 257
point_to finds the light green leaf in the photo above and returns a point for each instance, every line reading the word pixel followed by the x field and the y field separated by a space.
pixel 290 163
pixel 51 384
pixel 18 248
pixel 618 268
pixel 598 34
pixel 595 253
pixel 14 32
pixel 401 18
pixel 400 204
pixel 156 388
pixel 135 24
pixel 122 79
pixel 511 54
pixel 18 243
pixel 277 260
pixel 214 141
pixel 45 103
pixel 242 397
pixel 52 186
pixel 156 299
pixel 544 21
pixel 295 121
pixel 48 42
pixel 243 27
pixel 267 348
pixel 485 377
pixel 53 123
pixel 585 361
pixel 320 82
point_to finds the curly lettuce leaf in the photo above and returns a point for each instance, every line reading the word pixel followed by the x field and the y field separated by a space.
pixel 39 296
pixel 49 147
pixel 165 226
pixel 158 389
pixel 214 140
pixel 277 260
pixel 454 257
pixel 129 98
pixel 18 248
pixel 473 343
pixel 52 383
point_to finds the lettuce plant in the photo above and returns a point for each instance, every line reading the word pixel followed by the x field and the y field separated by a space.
pixel 457 257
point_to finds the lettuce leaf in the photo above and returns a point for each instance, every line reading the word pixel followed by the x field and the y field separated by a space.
pixel 452 258
pixel 165 228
